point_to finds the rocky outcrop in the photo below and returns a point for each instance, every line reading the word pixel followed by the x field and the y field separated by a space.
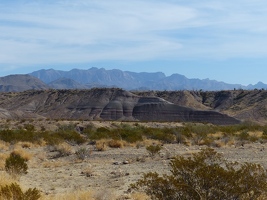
pixel 172 112
pixel 241 104
pixel 103 104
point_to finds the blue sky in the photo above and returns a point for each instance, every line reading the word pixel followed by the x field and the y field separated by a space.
pixel 215 39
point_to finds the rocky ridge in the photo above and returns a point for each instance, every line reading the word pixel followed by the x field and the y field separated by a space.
pixel 102 104
pixel 248 105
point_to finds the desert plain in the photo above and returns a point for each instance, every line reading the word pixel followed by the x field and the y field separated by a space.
pixel 108 172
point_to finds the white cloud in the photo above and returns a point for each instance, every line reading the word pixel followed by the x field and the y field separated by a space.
pixel 83 31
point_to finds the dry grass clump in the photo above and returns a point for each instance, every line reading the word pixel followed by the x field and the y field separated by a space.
pixel 139 196
pixel 23 153
pixel 78 195
pixel 147 142
pixel 88 171
pixel 218 143
pixel 4 145
pixel 3 157
pixel 6 179
pixel 42 156
pixel 104 194
pixel 116 143
pixel 101 145
pixel 255 135
pixel 63 149
pixel 54 164
pixel 24 145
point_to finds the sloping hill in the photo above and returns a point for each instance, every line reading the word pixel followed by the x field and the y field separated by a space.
pixel 241 104
pixel 106 104
pixel 17 83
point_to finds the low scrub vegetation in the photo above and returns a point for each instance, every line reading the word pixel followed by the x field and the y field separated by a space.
pixel 205 175
pixel 82 153
pixel 16 165
pixel 153 150
pixel 189 133
pixel 14 192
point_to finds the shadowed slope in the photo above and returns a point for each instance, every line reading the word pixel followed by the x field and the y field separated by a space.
pixel 106 104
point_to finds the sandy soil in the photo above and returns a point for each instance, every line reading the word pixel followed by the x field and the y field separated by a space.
pixel 114 170
pixel 110 171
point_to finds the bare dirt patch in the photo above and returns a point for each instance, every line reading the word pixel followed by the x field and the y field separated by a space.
pixel 113 170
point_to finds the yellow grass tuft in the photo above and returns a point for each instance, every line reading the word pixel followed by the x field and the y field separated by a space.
pixel 147 142
pixel 104 194
pixel 6 179
pixel 87 195
pixel 51 164
pixel 24 145
pixel 23 153
pixel 64 149
pixel 116 143
pixel 139 196
pixel 101 145
pixel 3 157
pixel 4 145
pixel 257 134
pixel 218 143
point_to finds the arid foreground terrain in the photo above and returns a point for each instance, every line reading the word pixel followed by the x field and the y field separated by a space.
pixel 100 169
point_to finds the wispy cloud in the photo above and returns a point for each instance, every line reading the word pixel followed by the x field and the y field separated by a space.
pixel 62 31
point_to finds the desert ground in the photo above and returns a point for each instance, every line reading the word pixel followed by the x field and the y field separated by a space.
pixel 107 174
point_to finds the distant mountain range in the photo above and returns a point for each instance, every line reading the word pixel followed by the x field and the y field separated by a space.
pixel 95 77
pixel 101 78
pixel 153 96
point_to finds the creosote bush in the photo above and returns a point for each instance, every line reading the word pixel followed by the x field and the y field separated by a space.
pixel 16 165
pixel 82 153
pixel 205 175
pixel 153 150
pixel 189 133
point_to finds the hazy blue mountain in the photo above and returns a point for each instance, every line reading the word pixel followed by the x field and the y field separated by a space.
pixel 259 85
pixel 66 83
pixel 95 77
pixel 17 83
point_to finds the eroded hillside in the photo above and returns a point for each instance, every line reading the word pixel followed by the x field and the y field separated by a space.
pixel 241 104
pixel 103 104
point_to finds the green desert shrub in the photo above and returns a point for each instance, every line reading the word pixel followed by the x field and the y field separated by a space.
pixel 72 136
pixel 13 136
pixel 67 127
pixel 51 138
pixel 16 165
pixel 29 127
pixel 14 192
pixel 98 134
pixel 205 175
pixel 131 136
pixel 82 153
pixel 165 135
pixel 244 135
pixel 153 150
